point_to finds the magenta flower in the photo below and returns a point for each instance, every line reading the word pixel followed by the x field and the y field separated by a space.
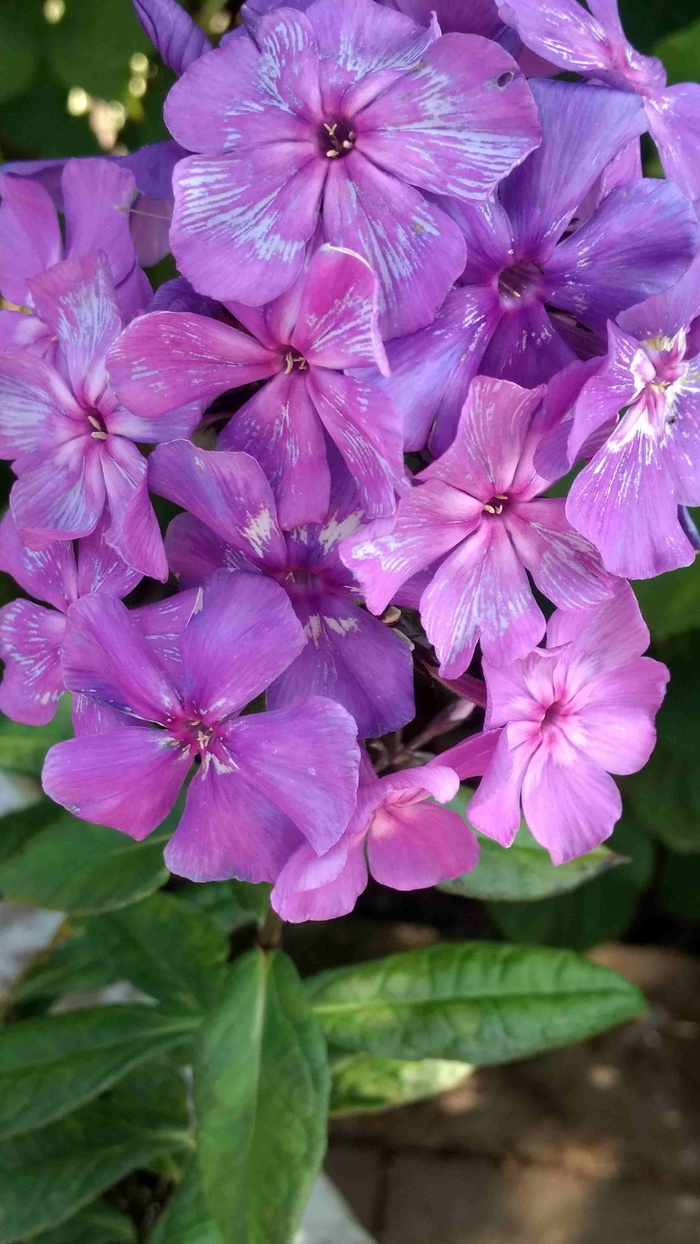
pixel 232 523
pixel 560 721
pixel 305 339
pixel 71 442
pixel 341 116
pixel 594 44
pixel 403 841
pixel 30 635
pixel 530 284
pixel 265 783
pixel 96 199
pixel 477 522
pixel 626 500
pixel 176 36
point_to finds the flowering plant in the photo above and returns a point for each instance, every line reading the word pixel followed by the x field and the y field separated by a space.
pixel 325 546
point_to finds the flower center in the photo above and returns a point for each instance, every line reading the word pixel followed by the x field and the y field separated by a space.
pixel 299 581
pixel 95 419
pixel 336 139
pixel 522 280
pixel 294 362
pixel 496 504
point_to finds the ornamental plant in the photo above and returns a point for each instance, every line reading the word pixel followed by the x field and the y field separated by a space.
pixel 322 542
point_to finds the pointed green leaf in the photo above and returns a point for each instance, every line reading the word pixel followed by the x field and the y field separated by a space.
pixel 48 1176
pixel 523 872
pixel 99 1223
pixel 364 1083
pixel 73 966
pixel 479 1002
pixel 84 869
pixel 166 948
pixel 261 1094
pixel 187 1219
pixel 52 1065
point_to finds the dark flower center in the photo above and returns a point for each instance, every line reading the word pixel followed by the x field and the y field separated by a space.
pixel 522 280
pixel 496 504
pixel 336 139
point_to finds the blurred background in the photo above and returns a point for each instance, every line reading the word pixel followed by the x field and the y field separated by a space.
pixel 599 1142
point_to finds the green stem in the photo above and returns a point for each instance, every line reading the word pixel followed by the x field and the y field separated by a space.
pixel 270 933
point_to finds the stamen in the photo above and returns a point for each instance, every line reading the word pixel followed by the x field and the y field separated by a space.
pixel 99 436
pixel 289 363
pixel 95 422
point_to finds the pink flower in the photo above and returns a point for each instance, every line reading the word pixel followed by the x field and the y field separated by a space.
pixel 559 722
pixel 476 523
pixel 403 841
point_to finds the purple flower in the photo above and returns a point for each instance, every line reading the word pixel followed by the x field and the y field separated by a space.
pixel 96 197
pixel 626 500
pixel 403 841
pixel 325 323
pixel 30 635
pixel 524 262
pixel 232 523
pixel 559 722
pixel 175 35
pixel 470 17
pixel 594 45
pixel 71 442
pixel 477 522
pixel 343 115
pixel 265 783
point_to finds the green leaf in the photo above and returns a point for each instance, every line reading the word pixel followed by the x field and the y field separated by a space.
pixel 17 828
pixel 51 1065
pixel 230 904
pixel 23 748
pixel 166 948
pixel 187 1219
pixel 680 53
pixel 597 912
pixel 524 871
pixel 19 49
pixel 48 1176
pixel 92 45
pixel 84 869
pixel 74 966
pixel 261 1094
pixel 364 1083
pixel 96 1224
pixel 479 1002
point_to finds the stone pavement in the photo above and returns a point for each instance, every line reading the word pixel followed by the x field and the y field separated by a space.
pixel 598 1143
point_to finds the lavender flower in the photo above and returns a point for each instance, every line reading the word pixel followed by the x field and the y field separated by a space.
pixel 475 522
pixel 265 783
pixel 232 523
pixel 343 115
pixel 594 44
pixel 403 841
pixel 305 339
pixel 525 261
pixel 71 442
pixel 559 722
pixel 30 635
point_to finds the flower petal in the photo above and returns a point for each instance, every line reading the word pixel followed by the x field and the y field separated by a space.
pixel 97 199
pixel 241 638
pixel 305 760
pixel 168 359
pixel 413 846
pixel 134 530
pixel 367 429
pixel 126 779
pixel 226 491
pixel 353 658
pixel 336 324
pixel 640 241
pixel 230 829
pixel 30 646
pixel 176 36
pixel 495 808
pixel 527 347
pixel 414 248
pixel 31 235
pixel 458 124
pixel 241 223
pixel 279 426
pixel 106 657
pixel 37 410
pixel 565 566
pixel 312 887
pixel 674 121
pixel 195 552
pixel 48 574
pixel 61 495
pixel 612 718
pixel 570 803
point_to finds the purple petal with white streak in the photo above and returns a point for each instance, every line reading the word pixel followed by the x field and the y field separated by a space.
pixel 30 646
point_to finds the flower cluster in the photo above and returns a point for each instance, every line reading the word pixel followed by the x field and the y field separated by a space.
pixel 422 279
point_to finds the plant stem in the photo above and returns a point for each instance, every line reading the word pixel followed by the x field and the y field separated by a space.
pixel 270 933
